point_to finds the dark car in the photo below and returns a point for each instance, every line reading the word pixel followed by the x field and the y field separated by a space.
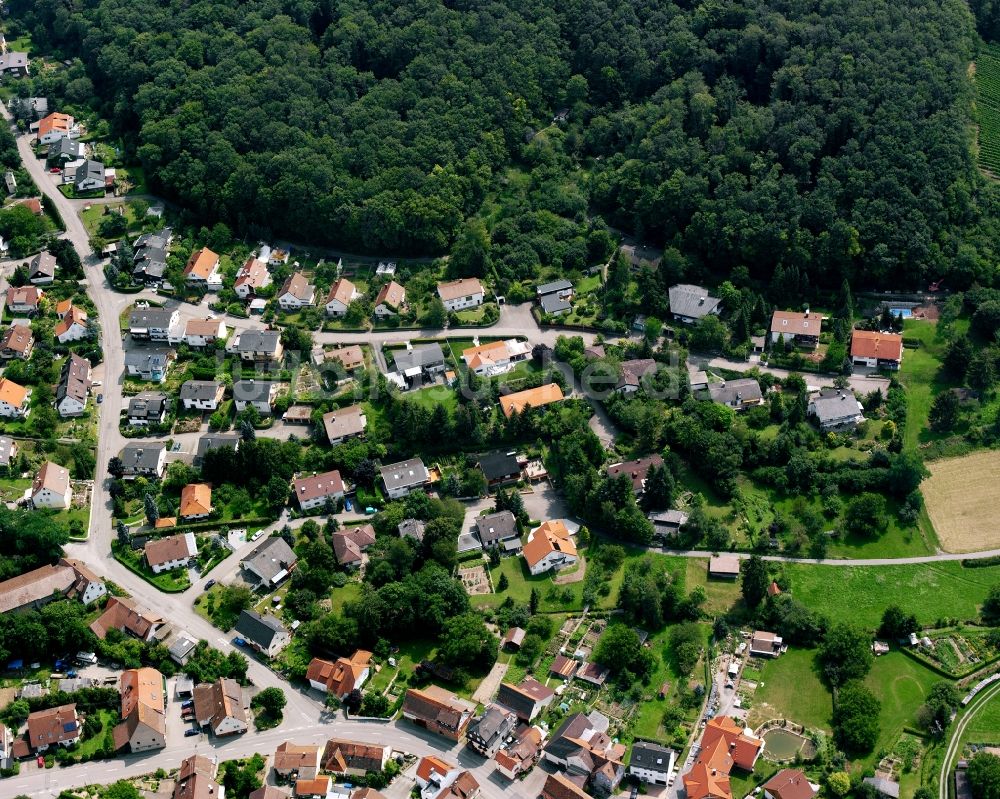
pixel 100 398
pixel 189 733
pixel 187 703
pixel 209 584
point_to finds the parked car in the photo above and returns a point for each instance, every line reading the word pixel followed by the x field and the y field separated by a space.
pixel 209 584
pixel 187 703
pixel 347 505
pixel 369 511
pixel 100 398
pixel 40 761
pixel 239 641
pixel 192 731
pixel 55 170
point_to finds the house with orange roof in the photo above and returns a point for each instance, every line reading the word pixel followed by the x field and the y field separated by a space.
pixel 521 754
pixel 341 295
pixel 202 270
pixel 196 501
pixel 13 399
pixel 341 676
pixel 143 726
pixel 724 745
pixel 56 126
pixel 252 277
pixel 438 779
pixel 316 788
pixel 466 292
pixel 517 402
pixel 497 357
pixel 391 299
pixel 876 350
pixel 549 548
pixel 559 786
pixel 72 326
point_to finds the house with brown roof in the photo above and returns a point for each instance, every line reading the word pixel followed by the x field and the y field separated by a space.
pixel 789 783
pixel 526 699
pixel 342 293
pixel 549 548
pixel 13 399
pixel 467 292
pixel 521 754
pixel 296 293
pixel 143 726
pixel 801 329
pixel 196 779
pixel 316 490
pixel 517 402
pixel 496 357
pixel 202 270
pixel 128 616
pixel 196 501
pixel 56 726
pixel 341 676
pixel 559 786
pixel 594 673
pixel 172 552
pixel 354 759
pixel 351 357
pixel 633 373
pixel 724 567
pixel 564 667
pixel 72 326
pixel 36 588
pixel 350 543
pixel 24 299
pixel 765 644
pixel 636 471
pixel 876 350
pixel 391 299
pixel 438 711
pixel 344 423
pixel 296 761
pixel 221 706
pixel 252 277
pixel 51 487
pixel 17 343
pixel 204 332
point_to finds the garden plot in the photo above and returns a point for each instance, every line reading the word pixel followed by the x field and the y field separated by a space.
pixel 475 580
pixel 959 651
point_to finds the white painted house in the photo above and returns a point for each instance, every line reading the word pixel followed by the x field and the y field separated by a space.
pixel 467 292
pixel 51 487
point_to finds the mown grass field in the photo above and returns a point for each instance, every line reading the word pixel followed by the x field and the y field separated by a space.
pixel 988 107
pixel 985 726
pixel 790 688
pixel 960 496
pixel 902 685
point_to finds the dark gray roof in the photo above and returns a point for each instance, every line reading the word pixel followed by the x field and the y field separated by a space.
pixel 831 404
pixel 74 379
pixel 43 265
pixel 405 473
pixel 252 390
pixel 652 756
pixel 495 722
pixel 89 169
pixel 423 355
pixel 258 341
pixel 496 527
pixel 153 241
pixel 261 630
pixel 145 318
pixel 414 528
pixel 71 148
pixel 199 389
pixel 150 268
pixel 693 302
pixel 670 518
pixel 572 727
pixel 746 389
pixel 553 303
pixel 498 465
pixel 212 441
pixel 141 456
pixel 148 404
pixel 271 556
pixel 145 359
pixel 554 286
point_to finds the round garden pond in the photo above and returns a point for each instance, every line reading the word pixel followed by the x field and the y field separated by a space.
pixel 781 744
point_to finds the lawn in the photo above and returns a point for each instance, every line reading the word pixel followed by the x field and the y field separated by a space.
pixel 919 374
pixel 171 582
pixel 985 726
pixel 407 657
pixel 959 497
pixel 789 687
pixel 89 746
pixel 931 590
pixel 722 594
pixel 340 596
pixel 433 396
pixel 553 597
pixel 901 684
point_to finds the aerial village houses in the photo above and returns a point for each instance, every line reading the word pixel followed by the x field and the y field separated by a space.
pixel 342 293
pixel 90 176
pixel 14 399
pixel 636 471
pixel 252 277
pixel 221 706
pixel 155 324
pixel 350 543
pixel 437 779
pixel 500 468
pixel 204 332
pixel 8 451
pixel 265 633
pixel 127 616
pixel 259 346
pixel 634 374
pixel 341 676
pixel 555 298
pixel 296 292
pixel 24 300
pixel 51 487
pixel 497 357
pixel 54 127
pixel 271 562
pixel 391 299
pixel 490 731
pixel 72 325
pixel 202 395
pixel 521 754
pixel 583 748
pixel 467 292
pixel 724 567
pixel 651 762
pixel 57 726
pixel 498 529
pixel 517 402
pixel 40 586
pixel 724 745
pixel 202 270
pixel 14 64
pixel 316 491
pixel 403 477
pixel 172 552
pixel 549 548
pixel 296 761
pixel 835 409
pixel 144 459
pixel 439 711
pixel 526 700
pixel 196 779
pixel 42 268
pixel 344 423
pixel 350 357
pixel 143 726
pixel 876 350
pixel 738 394
pixel 196 501
pixel 801 329
pixel 559 786
pixel 353 759
pixel 789 783
pixel 17 343
pixel 148 407
pixel 150 365
pixel 690 303
pixel 261 394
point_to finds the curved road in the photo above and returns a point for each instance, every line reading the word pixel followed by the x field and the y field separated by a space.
pixel 954 745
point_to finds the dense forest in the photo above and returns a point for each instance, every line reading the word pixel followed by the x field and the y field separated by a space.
pixel 818 137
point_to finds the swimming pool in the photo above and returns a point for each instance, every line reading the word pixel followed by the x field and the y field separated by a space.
pixel 902 313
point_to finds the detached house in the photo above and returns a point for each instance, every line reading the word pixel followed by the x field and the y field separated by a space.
pixel 350 357
pixel 14 64
pixel 651 762
pixel 526 699
pixel 520 755
pixel 271 562
pixel 345 423
pixel 17 342
pixel 835 408
pixel 403 477
pixel 24 300
pixel 203 395
pixel 65 150
pixel 51 487
pixel 296 292
pixel 497 357
pixel 467 292
pixel 143 726
pixel 90 176
pixel 519 401
pixel 57 726
pixel 737 394
pixel 633 373
pixel 252 277
pixel 221 706
pixel 876 350
pixel 265 633
pixel 296 761
pixel 155 324
pixel 259 346
pixel 439 711
pixel 72 326
pixel 354 759
pixel 789 783
pixel 74 386
pixel 800 329
pixel 391 299
pixel 437 779
pixel 54 127
pixel 144 459
pixel 490 731
pixel 259 393
pixel 202 270
pixel 636 471
pixel 314 492
pixel 14 399
pixel 724 745
pixel 342 676
pixel 196 501
pixel 498 530
pixel 42 268
pixel 341 295
pixel 127 616
pixel 549 547
pixel 583 748
pixel 149 364
pixel 172 552
pixel 350 543
pixel 690 303
pixel 148 407
pixel 204 332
